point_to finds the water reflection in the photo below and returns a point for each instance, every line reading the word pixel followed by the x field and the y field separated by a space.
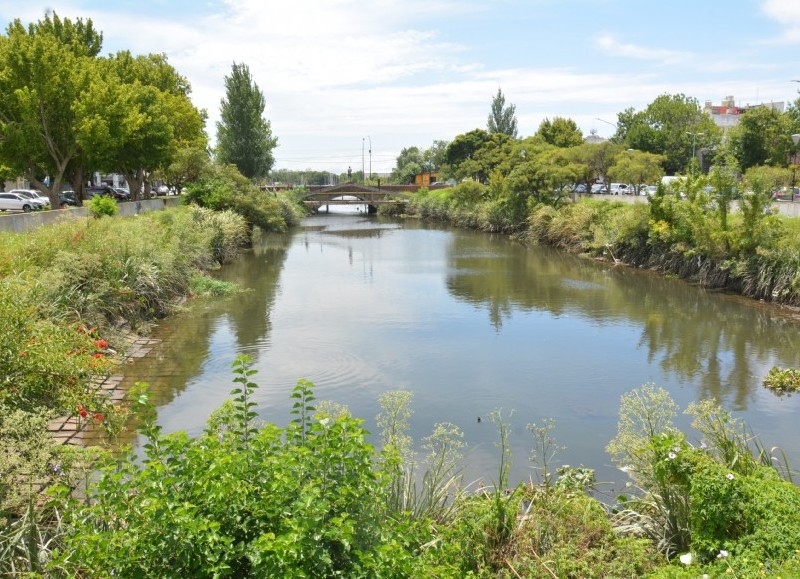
pixel 721 342
pixel 470 323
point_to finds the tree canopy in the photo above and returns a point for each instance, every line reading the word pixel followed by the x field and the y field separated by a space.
pixel 671 125
pixel 560 132
pixel 502 118
pixel 47 71
pixel 762 137
pixel 244 136
pixel 65 111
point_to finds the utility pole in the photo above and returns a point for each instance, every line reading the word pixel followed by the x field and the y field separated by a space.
pixel 370 157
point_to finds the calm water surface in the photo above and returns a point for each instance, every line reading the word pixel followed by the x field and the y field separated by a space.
pixel 470 323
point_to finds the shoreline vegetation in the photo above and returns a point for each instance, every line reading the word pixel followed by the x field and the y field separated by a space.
pixel 316 498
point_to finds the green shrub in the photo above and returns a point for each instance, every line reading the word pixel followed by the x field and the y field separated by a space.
pixel 300 501
pixel 782 380
pixel 102 205
pixel 44 364
pixel 223 187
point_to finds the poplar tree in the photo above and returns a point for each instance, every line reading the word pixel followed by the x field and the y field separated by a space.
pixel 244 136
pixel 502 119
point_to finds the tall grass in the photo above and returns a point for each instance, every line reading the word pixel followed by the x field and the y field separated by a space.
pixel 121 272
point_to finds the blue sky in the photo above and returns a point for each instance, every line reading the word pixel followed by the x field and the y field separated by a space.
pixel 339 74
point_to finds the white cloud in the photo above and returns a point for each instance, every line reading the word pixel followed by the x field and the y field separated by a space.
pixel 612 45
pixel 787 14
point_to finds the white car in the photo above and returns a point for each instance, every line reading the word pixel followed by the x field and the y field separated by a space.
pixel 619 189
pixel 13 202
pixel 34 196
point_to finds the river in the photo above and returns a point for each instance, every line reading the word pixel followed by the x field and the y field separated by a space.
pixel 470 323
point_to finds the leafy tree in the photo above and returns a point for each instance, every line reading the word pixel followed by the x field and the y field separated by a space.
pixel 560 132
pixel 637 168
pixel 502 120
pixel 435 155
pixel 762 137
pixel 188 166
pixel 244 136
pixel 598 158
pixel 547 175
pixel 494 154
pixel 409 164
pixel 769 177
pixel 671 125
pixel 137 115
pixel 46 70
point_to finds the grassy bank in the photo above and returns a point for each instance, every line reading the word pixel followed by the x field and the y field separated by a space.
pixel 70 294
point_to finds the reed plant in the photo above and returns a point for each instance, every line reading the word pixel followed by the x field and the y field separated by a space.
pixel 427 491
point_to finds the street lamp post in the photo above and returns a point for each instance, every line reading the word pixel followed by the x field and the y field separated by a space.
pixel 606 122
pixel 694 140
pixel 363 174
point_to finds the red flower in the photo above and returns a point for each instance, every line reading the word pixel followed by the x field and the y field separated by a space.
pixel 97 355
pixel 97 416
pixel 23 354
pixel 82 411
pixel 102 344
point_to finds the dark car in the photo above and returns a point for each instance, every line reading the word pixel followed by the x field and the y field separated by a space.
pixel 66 199
pixel 107 191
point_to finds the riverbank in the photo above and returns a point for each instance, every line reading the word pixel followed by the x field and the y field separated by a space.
pixel 751 251
pixel 77 297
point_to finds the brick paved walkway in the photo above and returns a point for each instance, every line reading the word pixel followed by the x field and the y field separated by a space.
pixel 73 429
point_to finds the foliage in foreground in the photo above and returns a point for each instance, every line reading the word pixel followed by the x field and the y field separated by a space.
pixel 300 501
pixel 722 503
pixel 315 499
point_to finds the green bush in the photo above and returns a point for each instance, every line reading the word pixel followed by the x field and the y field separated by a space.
pixel 222 187
pixel 239 501
pixel 44 364
pixel 725 497
pixel 102 205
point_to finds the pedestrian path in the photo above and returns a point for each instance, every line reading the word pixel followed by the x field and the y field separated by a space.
pixel 75 429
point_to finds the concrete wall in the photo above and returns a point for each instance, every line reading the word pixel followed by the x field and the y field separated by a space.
pixel 22 222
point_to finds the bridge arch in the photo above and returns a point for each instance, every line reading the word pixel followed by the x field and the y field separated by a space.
pixel 319 196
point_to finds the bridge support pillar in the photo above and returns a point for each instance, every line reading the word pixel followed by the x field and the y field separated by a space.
pixel 372 208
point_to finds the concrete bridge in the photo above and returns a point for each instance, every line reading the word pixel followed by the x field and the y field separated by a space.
pixel 319 196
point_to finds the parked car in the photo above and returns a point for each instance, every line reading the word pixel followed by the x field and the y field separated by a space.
pixel 598 188
pixel 13 202
pixel 67 199
pixel 619 189
pixel 649 190
pixel 107 191
pixel 162 190
pixel 122 194
pixel 39 201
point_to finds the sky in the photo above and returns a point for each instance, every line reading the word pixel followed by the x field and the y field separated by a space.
pixel 350 83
